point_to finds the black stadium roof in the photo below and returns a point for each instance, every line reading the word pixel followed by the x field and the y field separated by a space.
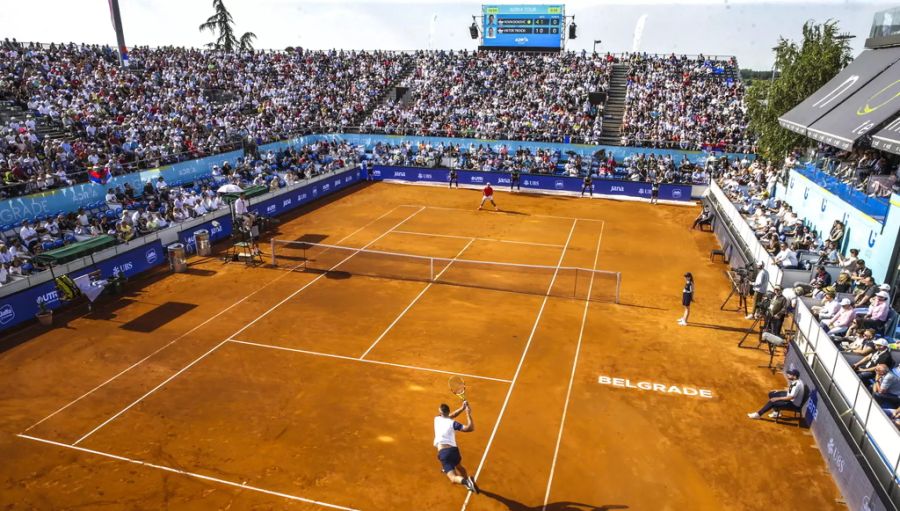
pixel 863 96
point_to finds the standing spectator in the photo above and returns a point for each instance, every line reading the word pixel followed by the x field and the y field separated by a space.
pixel 687 297
pixel 760 288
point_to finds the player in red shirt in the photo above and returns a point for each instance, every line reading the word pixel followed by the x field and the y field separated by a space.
pixel 488 196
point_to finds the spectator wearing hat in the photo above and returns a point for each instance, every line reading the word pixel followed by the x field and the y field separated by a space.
pixel 841 321
pixel 886 389
pixel 865 367
pixel 789 399
pixel 877 315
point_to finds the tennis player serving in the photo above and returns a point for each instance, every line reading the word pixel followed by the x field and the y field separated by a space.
pixel 488 196
pixel 445 429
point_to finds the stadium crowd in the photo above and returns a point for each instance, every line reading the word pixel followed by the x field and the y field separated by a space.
pixel 684 103
pixel 128 213
pixel 492 95
pixel 172 104
pixel 875 173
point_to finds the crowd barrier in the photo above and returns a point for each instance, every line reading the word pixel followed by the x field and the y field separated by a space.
pixel 860 444
pixel 745 233
pixel 858 441
pixel 20 301
pixel 69 199
pixel 876 239
pixel 535 182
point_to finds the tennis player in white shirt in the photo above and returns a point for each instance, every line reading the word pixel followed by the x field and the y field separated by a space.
pixel 445 429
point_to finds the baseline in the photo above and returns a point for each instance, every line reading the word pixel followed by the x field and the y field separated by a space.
pixel 245 327
pixel 512 385
pixel 192 330
pixel 445 208
pixel 242 485
pixel 369 361
pixel 479 239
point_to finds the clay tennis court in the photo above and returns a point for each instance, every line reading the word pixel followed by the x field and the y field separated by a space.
pixel 237 387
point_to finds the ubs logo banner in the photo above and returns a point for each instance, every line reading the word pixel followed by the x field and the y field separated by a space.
pixel 476 179
pixel 7 314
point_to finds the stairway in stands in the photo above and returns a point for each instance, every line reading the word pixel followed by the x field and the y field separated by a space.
pixel 387 96
pixel 614 111
pixel 44 126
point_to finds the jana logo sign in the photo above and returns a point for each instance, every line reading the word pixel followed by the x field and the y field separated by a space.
pixel 285 203
pixel 7 314
pixel 151 256
pixel 618 189
pixel 301 197
pixel 503 180
pixel 398 173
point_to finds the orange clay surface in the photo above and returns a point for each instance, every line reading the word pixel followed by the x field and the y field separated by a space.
pixel 238 387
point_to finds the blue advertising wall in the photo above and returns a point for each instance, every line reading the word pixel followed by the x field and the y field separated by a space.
pixel 875 240
pixel 536 182
pixel 219 229
pixel 64 200
pixel 23 306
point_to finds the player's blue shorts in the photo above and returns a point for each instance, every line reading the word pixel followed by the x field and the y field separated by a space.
pixel 450 458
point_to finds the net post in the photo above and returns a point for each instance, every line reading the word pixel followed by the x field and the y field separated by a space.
pixel 431 264
pixel 618 284
pixel 274 263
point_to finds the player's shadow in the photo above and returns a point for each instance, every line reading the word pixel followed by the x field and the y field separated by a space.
pixel 513 505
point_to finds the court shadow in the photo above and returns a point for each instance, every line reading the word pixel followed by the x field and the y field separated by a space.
pixel 718 327
pixel 312 238
pixel 513 505
pixel 200 273
pixel 623 304
pixel 162 314
pixel 510 212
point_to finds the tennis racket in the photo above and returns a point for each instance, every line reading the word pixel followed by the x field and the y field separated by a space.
pixel 458 387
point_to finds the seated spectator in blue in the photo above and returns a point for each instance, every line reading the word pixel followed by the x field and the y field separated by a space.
pixel 886 389
pixel 788 399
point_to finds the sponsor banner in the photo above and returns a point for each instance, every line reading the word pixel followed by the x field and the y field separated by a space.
pixel 819 208
pixel 23 305
pixel 844 463
pixel 219 229
pixel 534 182
pixel 287 201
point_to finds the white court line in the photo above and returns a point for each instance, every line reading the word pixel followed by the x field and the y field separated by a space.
pixel 512 384
pixel 479 239
pixel 248 325
pixel 243 486
pixel 474 210
pixel 368 361
pixel 565 411
pixel 192 330
pixel 416 299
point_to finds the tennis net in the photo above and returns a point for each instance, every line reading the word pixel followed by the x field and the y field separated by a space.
pixel 339 261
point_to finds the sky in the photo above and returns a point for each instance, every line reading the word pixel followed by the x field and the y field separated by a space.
pixel 746 29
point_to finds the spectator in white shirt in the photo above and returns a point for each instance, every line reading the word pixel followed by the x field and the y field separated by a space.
pixel 786 258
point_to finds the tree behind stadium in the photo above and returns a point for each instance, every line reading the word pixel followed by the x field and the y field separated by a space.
pixel 801 70
pixel 223 23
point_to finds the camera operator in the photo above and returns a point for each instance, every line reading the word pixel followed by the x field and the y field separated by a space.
pixel 760 287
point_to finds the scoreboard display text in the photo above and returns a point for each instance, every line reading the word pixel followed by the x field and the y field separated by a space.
pixel 523 26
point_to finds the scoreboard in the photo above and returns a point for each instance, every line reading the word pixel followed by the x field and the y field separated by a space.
pixel 523 26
